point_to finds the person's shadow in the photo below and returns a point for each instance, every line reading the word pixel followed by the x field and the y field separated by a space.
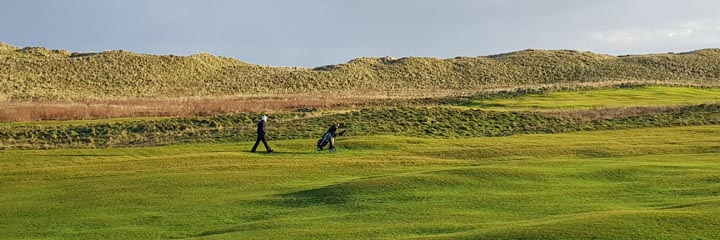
pixel 283 153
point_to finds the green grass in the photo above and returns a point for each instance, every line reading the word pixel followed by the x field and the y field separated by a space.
pixel 605 98
pixel 652 183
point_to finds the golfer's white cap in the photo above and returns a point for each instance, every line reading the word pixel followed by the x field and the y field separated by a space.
pixel 264 118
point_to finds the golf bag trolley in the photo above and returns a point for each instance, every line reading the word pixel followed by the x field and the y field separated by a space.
pixel 325 140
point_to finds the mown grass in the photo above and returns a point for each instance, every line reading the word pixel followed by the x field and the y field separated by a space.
pixel 651 96
pixel 653 183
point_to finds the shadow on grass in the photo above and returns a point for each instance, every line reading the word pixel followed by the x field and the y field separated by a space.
pixel 281 153
pixel 326 195
pixel 252 226
pixel 82 155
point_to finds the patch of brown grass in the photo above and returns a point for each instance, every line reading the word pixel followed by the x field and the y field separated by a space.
pixel 94 109
pixel 19 111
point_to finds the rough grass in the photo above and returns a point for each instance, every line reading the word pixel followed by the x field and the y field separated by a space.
pixel 432 118
pixel 438 122
pixel 36 73
pixel 653 183
pixel 14 111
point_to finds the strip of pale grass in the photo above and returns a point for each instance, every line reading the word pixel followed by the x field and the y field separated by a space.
pixel 25 111
pixel 104 109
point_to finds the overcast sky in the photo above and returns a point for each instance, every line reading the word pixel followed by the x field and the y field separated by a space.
pixel 319 32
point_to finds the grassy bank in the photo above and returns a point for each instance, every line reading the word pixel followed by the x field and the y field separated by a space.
pixel 501 114
pixel 438 122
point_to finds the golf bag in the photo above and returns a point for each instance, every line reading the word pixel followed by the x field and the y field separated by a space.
pixel 324 140
pixel 327 138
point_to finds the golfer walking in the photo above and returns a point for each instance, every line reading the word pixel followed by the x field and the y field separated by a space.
pixel 333 133
pixel 261 135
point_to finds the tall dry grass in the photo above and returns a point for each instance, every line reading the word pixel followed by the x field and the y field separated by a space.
pixel 94 109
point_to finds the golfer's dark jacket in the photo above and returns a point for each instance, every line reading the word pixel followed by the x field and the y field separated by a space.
pixel 332 130
pixel 261 128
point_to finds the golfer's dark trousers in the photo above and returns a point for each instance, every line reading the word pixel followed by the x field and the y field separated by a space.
pixel 261 137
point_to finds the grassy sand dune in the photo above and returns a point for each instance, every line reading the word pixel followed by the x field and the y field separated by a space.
pixel 39 74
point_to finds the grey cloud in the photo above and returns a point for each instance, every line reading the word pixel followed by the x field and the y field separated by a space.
pixel 319 32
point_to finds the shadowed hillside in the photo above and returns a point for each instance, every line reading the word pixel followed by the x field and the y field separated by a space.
pixel 36 73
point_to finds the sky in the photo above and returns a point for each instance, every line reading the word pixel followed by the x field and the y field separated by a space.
pixel 311 33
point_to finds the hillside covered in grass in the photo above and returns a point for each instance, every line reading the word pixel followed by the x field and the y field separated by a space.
pixel 36 73
pixel 431 122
